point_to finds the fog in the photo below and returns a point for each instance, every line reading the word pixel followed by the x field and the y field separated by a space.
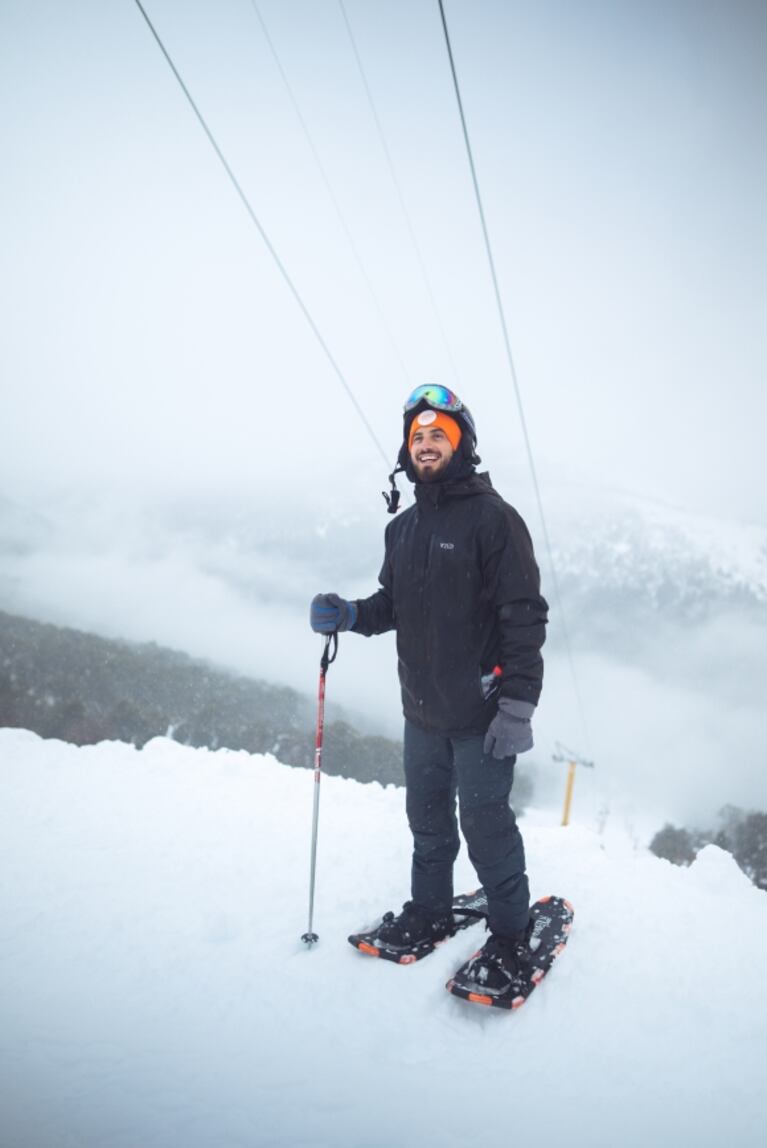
pixel 178 460
pixel 150 339
pixel 672 707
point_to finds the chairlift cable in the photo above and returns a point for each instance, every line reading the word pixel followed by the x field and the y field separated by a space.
pixel 400 196
pixel 514 379
pixel 271 249
pixel 333 199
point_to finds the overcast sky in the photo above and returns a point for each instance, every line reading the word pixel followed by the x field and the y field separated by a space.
pixel 148 339
pixel 167 407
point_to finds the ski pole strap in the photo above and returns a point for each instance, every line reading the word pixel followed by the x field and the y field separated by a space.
pixel 326 659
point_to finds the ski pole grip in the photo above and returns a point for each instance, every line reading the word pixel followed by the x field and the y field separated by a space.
pixel 326 659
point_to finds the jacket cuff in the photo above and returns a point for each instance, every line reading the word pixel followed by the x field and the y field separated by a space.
pixel 518 709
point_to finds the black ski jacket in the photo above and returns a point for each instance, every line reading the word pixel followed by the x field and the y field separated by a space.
pixel 460 585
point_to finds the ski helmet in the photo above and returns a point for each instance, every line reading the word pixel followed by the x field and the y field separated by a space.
pixel 432 396
pixel 438 398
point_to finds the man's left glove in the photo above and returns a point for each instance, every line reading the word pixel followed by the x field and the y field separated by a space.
pixel 510 732
pixel 330 614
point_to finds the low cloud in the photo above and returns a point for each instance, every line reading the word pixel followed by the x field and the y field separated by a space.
pixel 673 712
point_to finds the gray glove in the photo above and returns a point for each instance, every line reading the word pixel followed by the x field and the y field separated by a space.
pixel 510 732
pixel 330 614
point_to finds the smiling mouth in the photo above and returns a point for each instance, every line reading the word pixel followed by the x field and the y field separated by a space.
pixel 424 458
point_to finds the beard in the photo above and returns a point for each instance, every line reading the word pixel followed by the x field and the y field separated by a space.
pixel 432 471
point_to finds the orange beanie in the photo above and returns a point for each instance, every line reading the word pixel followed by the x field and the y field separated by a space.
pixel 439 419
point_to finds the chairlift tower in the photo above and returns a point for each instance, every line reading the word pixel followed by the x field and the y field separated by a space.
pixel 572 759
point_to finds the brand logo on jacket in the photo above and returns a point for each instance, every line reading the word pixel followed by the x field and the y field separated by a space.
pixel 447 545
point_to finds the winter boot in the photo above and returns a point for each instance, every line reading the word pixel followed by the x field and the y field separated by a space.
pixel 506 970
pixel 408 936
pixel 499 963
pixel 499 972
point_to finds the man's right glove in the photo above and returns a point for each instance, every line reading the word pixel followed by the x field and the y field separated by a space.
pixel 510 732
pixel 330 614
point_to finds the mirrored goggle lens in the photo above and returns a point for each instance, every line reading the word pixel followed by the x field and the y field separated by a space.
pixel 441 398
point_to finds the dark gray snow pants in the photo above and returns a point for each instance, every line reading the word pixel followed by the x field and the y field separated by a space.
pixel 437 768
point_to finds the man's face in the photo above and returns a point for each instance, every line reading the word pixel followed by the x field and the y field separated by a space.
pixel 430 453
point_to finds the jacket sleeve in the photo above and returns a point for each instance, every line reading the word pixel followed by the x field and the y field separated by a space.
pixel 513 585
pixel 375 615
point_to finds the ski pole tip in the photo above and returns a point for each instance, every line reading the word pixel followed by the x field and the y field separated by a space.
pixel 310 939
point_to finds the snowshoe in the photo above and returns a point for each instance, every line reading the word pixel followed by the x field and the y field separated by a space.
pixel 414 933
pixel 503 973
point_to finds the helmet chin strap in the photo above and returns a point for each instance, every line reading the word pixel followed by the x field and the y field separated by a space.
pixel 392 497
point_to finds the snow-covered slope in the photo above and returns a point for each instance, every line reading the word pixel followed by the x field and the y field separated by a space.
pixel 155 991
pixel 669 562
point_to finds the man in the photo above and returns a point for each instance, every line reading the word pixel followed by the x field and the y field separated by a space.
pixel 460 585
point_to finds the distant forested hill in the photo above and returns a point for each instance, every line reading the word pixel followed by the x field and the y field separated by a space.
pixel 66 684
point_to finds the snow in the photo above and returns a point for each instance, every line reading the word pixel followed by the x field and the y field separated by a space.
pixel 155 990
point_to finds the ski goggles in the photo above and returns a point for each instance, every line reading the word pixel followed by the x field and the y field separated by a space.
pixel 440 398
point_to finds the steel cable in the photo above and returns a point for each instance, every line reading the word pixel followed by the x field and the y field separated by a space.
pixel 515 382
pixel 269 246
pixel 401 198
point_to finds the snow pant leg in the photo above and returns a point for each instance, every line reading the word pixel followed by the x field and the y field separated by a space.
pixel 495 844
pixel 430 800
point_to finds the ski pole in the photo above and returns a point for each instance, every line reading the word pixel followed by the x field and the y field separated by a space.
pixel 310 937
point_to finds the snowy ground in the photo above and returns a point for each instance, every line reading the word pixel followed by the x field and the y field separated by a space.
pixel 154 991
